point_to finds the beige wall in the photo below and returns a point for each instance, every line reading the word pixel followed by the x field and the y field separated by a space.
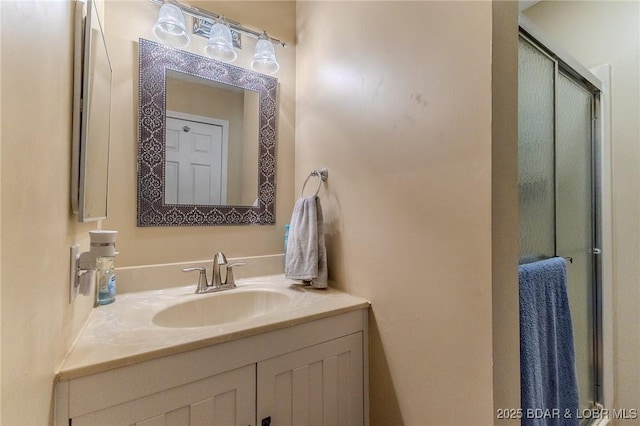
pixel 504 199
pixel 395 99
pixel 126 22
pixel 38 323
pixel 609 32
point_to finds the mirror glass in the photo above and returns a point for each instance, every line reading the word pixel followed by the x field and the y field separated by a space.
pixel 92 112
pixel 207 136
pixel 211 142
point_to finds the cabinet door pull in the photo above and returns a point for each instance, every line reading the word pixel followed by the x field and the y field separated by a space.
pixel 266 421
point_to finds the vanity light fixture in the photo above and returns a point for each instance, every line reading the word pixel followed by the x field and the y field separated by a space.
pixel 220 45
pixel 264 60
pixel 170 27
pixel 217 29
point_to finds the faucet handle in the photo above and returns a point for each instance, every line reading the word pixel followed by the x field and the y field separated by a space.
pixel 230 280
pixel 202 278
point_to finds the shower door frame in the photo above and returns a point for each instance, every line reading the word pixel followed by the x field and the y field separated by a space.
pixel 565 63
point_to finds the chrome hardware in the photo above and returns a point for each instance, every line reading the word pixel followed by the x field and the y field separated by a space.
pixel 596 251
pixel 230 279
pixel 217 283
pixel 218 259
pixel 322 175
pixel 202 27
pixel 203 284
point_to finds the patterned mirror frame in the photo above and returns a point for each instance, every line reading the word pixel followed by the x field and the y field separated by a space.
pixel 154 61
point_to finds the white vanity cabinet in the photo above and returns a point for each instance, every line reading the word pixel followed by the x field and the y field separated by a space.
pixel 303 374
pixel 318 385
pixel 224 399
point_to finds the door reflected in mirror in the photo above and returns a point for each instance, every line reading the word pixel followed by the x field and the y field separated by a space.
pixel 211 142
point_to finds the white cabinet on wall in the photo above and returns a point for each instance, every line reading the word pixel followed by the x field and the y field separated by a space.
pixel 310 373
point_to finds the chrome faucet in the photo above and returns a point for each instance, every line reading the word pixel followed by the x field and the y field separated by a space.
pixel 218 259
pixel 217 283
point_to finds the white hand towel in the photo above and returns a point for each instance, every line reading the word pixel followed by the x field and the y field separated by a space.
pixel 306 257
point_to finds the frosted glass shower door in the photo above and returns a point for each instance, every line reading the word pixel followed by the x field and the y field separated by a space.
pixel 575 221
pixel 556 191
pixel 536 158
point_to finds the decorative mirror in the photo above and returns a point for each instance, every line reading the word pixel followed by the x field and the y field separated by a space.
pixel 207 141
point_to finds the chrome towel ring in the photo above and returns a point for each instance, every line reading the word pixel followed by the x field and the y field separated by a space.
pixel 322 175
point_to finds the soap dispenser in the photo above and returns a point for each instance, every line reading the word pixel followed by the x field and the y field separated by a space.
pixel 104 244
pixel 97 265
pixel 105 280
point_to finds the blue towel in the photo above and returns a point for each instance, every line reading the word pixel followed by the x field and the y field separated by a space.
pixel 547 357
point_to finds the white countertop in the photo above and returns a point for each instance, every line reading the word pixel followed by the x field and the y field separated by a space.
pixel 123 333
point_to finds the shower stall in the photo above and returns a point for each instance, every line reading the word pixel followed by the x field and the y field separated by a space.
pixel 558 153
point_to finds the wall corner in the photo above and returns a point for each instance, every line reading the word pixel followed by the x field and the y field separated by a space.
pixel 504 157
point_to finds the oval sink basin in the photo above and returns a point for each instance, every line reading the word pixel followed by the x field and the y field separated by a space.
pixel 221 308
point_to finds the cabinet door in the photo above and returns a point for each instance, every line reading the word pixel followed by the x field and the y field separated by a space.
pixel 225 399
pixel 318 385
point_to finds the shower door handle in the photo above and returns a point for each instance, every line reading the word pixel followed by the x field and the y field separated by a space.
pixel 596 251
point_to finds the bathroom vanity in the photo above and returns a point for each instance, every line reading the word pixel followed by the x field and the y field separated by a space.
pixel 277 354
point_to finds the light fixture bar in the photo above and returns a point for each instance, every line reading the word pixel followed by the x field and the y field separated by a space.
pixel 205 15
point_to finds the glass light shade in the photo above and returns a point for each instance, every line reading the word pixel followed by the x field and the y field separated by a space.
pixel 170 28
pixel 264 59
pixel 220 45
